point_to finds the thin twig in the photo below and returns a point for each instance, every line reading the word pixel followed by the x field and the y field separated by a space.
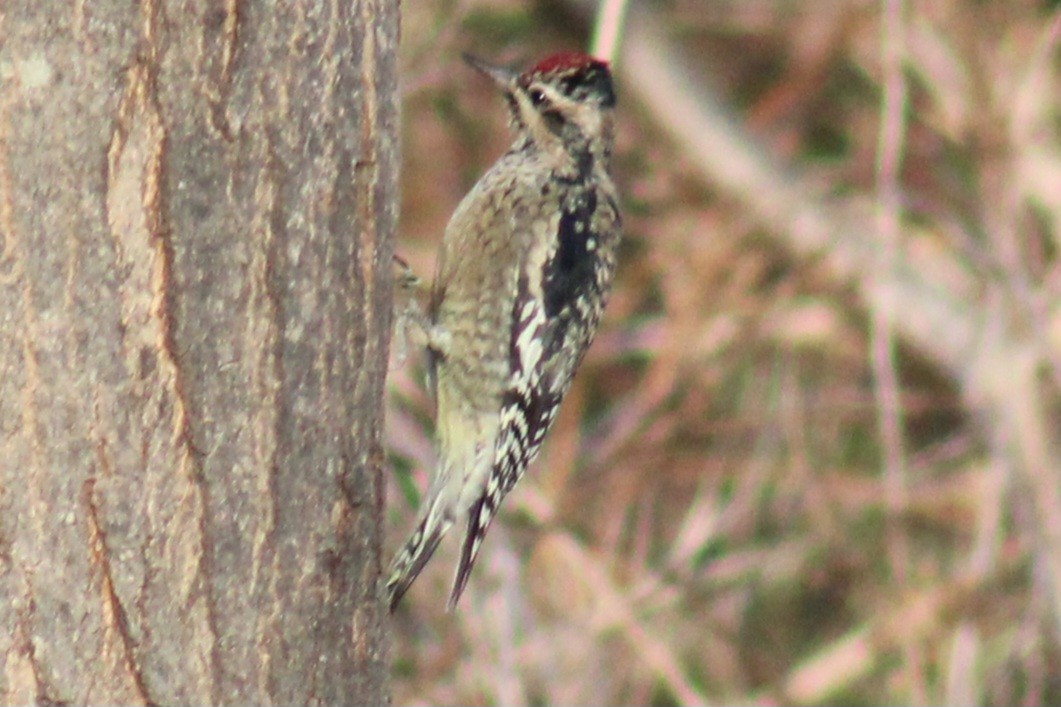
pixel 890 140
pixel 608 29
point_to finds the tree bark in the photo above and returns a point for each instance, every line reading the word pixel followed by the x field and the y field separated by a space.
pixel 196 208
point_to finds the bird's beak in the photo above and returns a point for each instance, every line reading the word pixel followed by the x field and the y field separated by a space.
pixel 502 77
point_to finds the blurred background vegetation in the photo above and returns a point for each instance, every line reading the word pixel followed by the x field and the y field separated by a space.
pixel 812 456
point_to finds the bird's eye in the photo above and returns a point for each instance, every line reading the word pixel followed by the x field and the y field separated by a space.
pixel 537 97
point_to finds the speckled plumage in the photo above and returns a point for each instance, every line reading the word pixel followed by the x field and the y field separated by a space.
pixel 525 268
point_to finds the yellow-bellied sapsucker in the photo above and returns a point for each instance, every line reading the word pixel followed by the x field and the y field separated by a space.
pixel 526 265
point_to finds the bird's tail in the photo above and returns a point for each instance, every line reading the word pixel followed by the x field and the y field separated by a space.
pixel 433 524
pixel 479 517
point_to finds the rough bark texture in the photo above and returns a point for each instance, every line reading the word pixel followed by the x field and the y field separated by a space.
pixel 196 205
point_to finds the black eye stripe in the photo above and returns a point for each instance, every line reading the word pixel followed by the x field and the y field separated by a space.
pixel 591 83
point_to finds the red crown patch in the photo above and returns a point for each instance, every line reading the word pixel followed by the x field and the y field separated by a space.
pixel 564 60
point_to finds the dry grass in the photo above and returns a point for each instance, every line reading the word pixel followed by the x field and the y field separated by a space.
pixel 811 457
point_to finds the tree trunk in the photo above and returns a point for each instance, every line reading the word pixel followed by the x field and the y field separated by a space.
pixel 196 207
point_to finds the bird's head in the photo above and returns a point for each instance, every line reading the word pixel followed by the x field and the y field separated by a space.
pixel 561 105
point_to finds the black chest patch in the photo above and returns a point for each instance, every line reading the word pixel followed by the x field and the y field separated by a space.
pixel 570 272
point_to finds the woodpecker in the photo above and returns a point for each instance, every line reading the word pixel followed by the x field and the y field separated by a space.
pixel 523 276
